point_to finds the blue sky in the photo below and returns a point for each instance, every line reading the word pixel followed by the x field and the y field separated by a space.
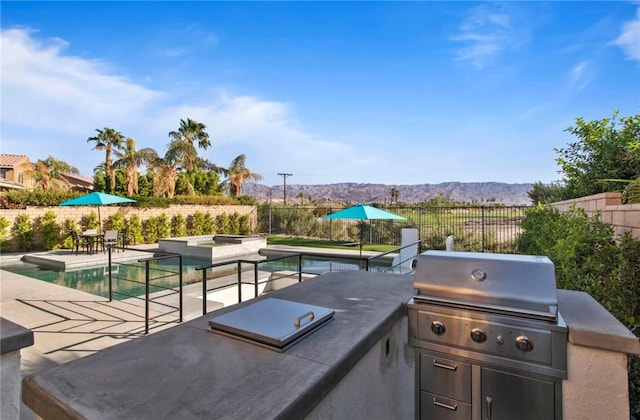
pixel 367 92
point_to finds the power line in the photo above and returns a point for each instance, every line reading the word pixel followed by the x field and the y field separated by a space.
pixel 284 177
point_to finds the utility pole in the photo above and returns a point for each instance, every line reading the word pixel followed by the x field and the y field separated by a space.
pixel 284 177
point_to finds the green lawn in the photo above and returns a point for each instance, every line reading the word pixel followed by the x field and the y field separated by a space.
pixel 319 243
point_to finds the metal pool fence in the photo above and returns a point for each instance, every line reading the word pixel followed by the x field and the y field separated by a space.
pixel 474 228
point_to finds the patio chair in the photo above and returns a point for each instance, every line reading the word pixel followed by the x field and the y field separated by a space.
pixel 79 242
pixel 110 240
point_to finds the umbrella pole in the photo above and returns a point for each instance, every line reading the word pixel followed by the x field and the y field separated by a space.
pixel 99 221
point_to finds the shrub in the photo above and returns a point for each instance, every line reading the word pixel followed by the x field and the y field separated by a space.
pixel 195 224
pixel 150 230
pixel 163 227
pixel 66 241
pixel 178 226
pixel 50 231
pixel 20 199
pixel 89 221
pixel 222 221
pixel 588 258
pixel 234 223
pixel 134 230
pixel 208 224
pixel 4 234
pixel 115 222
pixel 245 226
pixel 22 230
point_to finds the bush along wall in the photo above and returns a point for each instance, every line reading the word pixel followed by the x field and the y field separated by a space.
pixel 45 233
pixel 589 257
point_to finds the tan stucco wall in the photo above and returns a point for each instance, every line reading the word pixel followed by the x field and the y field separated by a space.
pixel 77 213
pixel 623 217
pixel 597 387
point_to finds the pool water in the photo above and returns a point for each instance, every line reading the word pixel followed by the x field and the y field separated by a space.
pixel 95 280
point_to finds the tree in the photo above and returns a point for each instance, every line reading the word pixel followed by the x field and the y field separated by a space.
pixel 238 174
pixel 182 148
pixel 546 193
pixel 48 173
pixel 165 174
pixel 606 150
pixel 108 140
pixel 395 193
pixel 129 159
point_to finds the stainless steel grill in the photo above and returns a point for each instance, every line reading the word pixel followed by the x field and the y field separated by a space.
pixel 491 342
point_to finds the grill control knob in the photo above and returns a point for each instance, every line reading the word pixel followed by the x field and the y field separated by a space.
pixel 438 328
pixel 523 343
pixel 478 335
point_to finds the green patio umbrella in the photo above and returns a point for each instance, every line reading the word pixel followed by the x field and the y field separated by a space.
pixel 363 212
pixel 97 199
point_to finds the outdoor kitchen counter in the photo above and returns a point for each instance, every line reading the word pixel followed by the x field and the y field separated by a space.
pixel 590 325
pixel 189 372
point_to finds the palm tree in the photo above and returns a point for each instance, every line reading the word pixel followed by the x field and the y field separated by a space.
pixel 130 160
pixel 108 140
pixel 165 174
pixel 47 173
pixel 182 148
pixel 239 174
pixel 395 193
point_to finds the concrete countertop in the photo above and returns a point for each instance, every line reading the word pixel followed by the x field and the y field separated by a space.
pixel 591 325
pixel 189 372
pixel 13 337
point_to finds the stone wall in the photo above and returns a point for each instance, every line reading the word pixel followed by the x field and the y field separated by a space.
pixel 623 217
pixel 76 213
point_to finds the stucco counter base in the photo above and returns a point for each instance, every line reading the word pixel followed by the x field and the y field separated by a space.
pixel 189 372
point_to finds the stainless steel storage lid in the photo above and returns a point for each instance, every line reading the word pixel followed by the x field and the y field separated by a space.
pixel 271 322
pixel 523 284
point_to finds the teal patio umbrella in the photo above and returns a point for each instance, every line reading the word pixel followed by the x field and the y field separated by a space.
pixel 363 212
pixel 97 199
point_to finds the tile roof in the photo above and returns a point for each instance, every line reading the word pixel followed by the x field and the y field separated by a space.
pixel 7 160
pixel 72 177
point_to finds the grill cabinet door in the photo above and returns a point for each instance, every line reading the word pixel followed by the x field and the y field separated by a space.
pixel 507 396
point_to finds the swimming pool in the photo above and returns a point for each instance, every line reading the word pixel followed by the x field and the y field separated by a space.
pixel 95 280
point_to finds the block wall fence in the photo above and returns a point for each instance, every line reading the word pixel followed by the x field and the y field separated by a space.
pixel 76 213
pixel 623 217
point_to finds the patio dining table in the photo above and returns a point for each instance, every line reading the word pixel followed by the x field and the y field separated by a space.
pixel 93 240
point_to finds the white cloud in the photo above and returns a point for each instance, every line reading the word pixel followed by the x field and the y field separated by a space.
pixel 44 89
pixel 629 38
pixel 52 102
pixel 577 75
pixel 484 35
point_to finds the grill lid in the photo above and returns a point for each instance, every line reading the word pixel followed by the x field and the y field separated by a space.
pixel 272 323
pixel 513 284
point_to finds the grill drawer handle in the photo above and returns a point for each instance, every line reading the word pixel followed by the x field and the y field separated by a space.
pixel 452 367
pixel 296 322
pixel 452 407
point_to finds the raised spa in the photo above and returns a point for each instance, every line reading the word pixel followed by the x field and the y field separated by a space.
pixel 213 248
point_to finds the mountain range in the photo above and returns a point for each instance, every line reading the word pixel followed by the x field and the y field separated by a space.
pixel 349 192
